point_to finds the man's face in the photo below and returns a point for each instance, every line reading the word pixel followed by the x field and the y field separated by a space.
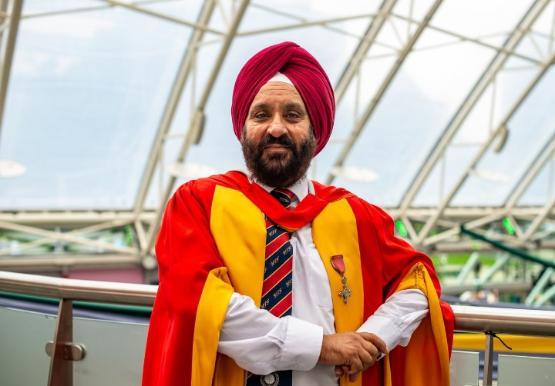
pixel 277 141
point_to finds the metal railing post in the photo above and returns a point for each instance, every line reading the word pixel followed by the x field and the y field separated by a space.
pixel 488 361
pixel 61 365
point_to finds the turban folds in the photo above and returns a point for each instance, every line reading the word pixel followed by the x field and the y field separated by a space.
pixel 305 73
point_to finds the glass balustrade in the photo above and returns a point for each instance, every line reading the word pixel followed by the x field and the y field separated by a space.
pixel 112 338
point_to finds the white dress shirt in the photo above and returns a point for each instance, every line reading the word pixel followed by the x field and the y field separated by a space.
pixel 262 343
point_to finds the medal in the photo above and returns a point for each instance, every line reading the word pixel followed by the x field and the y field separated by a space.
pixel 339 266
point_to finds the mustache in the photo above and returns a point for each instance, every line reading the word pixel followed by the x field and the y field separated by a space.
pixel 283 140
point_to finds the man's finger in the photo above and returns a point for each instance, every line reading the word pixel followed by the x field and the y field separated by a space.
pixel 375 340
pixel 355 365
pixel 339 371
pixel 370 348
pixel 367 358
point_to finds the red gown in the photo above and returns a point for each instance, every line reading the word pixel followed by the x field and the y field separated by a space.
pixel 211 243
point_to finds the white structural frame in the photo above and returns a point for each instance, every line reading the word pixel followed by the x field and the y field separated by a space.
pixel 7 47
pixel 470 101
pixel 80 227
pixel 482 151
pixel 361 121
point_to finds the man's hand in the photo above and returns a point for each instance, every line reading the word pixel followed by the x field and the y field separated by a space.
pixel 376 341
pixel 350 352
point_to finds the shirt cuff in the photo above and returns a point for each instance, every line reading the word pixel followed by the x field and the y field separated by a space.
pixel 302 346
pixel 384 328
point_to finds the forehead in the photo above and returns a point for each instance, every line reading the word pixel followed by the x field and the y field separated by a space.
pixel 277 92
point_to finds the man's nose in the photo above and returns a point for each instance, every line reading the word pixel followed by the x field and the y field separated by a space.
pixel 277 126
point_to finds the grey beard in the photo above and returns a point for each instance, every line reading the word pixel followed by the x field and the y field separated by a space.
pixel 279 170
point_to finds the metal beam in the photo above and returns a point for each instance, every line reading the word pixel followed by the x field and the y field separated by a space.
pixel 465 213
pixel 4 23
pixel 473 245
pixel 65 237
pixel 305 24
pixel 61 368
pixel 364 45
pixel 57 262
pixel 79 219
pixel 68 10
pixel 480 222
pixel 6 55
pixel 194 124
pixel 76 232
pixel 197 26
pixel 516 225
pixel 470 101
pixel 547 295
pixel 455 231
pixel 522 254
pixel 375 100
pixel 501 287
pixel 475 224
pixel 500 262
pixel 187 63
pixel 530 174
pixel 543 280
pixel 410 228
pixel 455 216
pixel 284 13
pixel 3 14
pixel 463 38
pixel 141 235
pixel 538 221
pixel 72 218
pixel 482 151
pixel 468 267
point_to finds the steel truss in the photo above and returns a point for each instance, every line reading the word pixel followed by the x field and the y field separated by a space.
pixel 376 98
pixel 434 229
pixel 11 14
pixel 197 118
pixel 463 112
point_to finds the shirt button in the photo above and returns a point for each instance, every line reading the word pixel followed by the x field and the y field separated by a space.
pixel 269 380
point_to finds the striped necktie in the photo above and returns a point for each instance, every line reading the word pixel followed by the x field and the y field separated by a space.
pixel 277 294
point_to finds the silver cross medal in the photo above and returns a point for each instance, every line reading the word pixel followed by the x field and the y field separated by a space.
pixel 339 266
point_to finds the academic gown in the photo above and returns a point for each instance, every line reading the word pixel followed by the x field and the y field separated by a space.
pixel 212 242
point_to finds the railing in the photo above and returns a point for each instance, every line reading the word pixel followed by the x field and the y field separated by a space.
pixel 73 289
pixel 63 351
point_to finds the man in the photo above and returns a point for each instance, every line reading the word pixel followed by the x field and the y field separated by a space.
pixel 272 279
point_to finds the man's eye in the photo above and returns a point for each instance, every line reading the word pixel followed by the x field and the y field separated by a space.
pixel 260 115
pixel 293 115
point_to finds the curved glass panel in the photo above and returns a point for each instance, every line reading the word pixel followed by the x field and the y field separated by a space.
pixel 85 99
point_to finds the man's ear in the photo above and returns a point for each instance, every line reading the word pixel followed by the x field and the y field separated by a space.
pixel 243 132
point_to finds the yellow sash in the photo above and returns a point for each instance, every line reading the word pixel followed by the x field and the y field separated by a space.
pixel 239 230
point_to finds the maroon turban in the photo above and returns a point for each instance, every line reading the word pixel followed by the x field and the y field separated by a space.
pixel 305 73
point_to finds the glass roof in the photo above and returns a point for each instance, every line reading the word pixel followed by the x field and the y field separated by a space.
pixel 90 83
pixel 85 98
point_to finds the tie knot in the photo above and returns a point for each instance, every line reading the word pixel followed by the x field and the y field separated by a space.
pixel 285 196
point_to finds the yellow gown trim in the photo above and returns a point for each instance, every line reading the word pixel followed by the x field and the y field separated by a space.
pixel 210 318
pixel 239 230
pixel 338 219
pixel 428 343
